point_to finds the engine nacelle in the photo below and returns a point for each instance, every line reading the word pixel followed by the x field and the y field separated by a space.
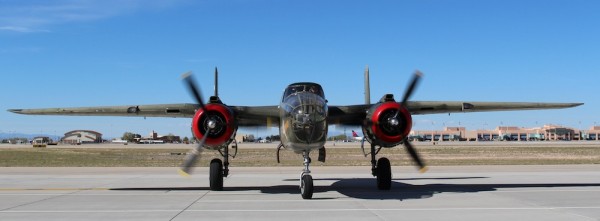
pixel 224 128
pixel 385 130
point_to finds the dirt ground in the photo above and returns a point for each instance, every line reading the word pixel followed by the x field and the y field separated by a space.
pixel 338 154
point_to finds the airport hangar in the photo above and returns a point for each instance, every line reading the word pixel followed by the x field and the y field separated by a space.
pixel 82 136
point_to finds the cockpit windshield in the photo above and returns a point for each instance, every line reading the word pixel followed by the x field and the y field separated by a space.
pixel 304 87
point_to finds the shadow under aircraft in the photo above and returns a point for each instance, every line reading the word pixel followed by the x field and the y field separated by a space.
pixel 358 188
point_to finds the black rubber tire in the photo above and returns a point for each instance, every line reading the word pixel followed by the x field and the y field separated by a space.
pixel 384 174
pixel 306 187
pixel 216 175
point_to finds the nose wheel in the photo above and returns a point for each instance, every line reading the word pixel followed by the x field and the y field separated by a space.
pixel 306 180
pixel 306 186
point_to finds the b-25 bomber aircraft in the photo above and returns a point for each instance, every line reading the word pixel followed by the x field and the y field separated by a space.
pixel 302 116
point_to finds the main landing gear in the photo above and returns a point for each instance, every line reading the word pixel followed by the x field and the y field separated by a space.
pixel 220 169
pixel 306 180
pixel 216 174
pixel 382 168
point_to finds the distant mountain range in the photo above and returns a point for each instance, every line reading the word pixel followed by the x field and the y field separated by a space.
pixel 28 136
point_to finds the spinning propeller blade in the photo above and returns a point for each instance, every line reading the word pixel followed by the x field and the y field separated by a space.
pixel 194 90
pixel 194 154
pixel 409 147
pixel 192 157
pixel 411 87
pixel 415 156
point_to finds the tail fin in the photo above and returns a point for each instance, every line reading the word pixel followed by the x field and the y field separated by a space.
pixel 354 134
pixel 216 82
pixel 367 86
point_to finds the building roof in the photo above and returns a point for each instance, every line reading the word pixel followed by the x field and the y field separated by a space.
pixel 87 131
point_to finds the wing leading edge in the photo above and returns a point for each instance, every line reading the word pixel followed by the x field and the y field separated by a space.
pixel 269 115
pixel 441 107
pixel 355 114
pixel 158 110
pixel 246 116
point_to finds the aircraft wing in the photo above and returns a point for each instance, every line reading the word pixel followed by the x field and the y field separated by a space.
pixel 159 110
pixel 257 115
pixel 441 107
pixel 355 114
pixel 269 115
pixel 246 116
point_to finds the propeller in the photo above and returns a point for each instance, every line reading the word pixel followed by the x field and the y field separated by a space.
pixel 194 154
pixel 415 156
pixel 409 147
pixel 411 87
pixel 191 158
pixel 191 85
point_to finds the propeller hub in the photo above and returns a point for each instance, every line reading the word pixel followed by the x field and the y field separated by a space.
pixel 394 121
pixel 211 124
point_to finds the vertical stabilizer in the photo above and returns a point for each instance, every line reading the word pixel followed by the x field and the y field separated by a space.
pixel 216 82
pixel 367 86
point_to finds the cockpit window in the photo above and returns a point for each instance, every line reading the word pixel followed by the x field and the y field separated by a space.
pixel 293 89
pixel 312 88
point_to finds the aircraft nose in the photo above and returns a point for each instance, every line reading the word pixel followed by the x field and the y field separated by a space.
pixel 305 132
pixel 308 127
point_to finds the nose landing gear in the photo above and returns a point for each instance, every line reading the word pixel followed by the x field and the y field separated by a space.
pixel 306 181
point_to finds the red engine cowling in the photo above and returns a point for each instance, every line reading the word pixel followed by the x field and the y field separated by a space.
pixel 382 129
pixel 224 129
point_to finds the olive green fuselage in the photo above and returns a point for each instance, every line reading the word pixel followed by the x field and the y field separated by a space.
pixel 303 117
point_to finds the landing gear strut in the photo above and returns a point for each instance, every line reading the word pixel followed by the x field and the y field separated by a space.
pixel 306 181
pixel 381 169
pixel 220 169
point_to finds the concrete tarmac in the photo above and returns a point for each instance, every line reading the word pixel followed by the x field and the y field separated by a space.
pixel 557 192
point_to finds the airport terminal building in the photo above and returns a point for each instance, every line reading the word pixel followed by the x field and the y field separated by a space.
pixel 503 133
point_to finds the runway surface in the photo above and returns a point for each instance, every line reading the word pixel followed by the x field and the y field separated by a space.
pixel 564 192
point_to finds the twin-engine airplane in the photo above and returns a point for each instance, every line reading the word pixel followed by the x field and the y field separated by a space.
pixel 303 117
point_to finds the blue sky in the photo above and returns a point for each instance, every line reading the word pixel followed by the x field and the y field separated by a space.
pixel 105 52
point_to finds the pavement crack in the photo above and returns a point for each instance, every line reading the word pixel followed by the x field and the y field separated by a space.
pixel 362 204
pixel 37 201
pixel 187 207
